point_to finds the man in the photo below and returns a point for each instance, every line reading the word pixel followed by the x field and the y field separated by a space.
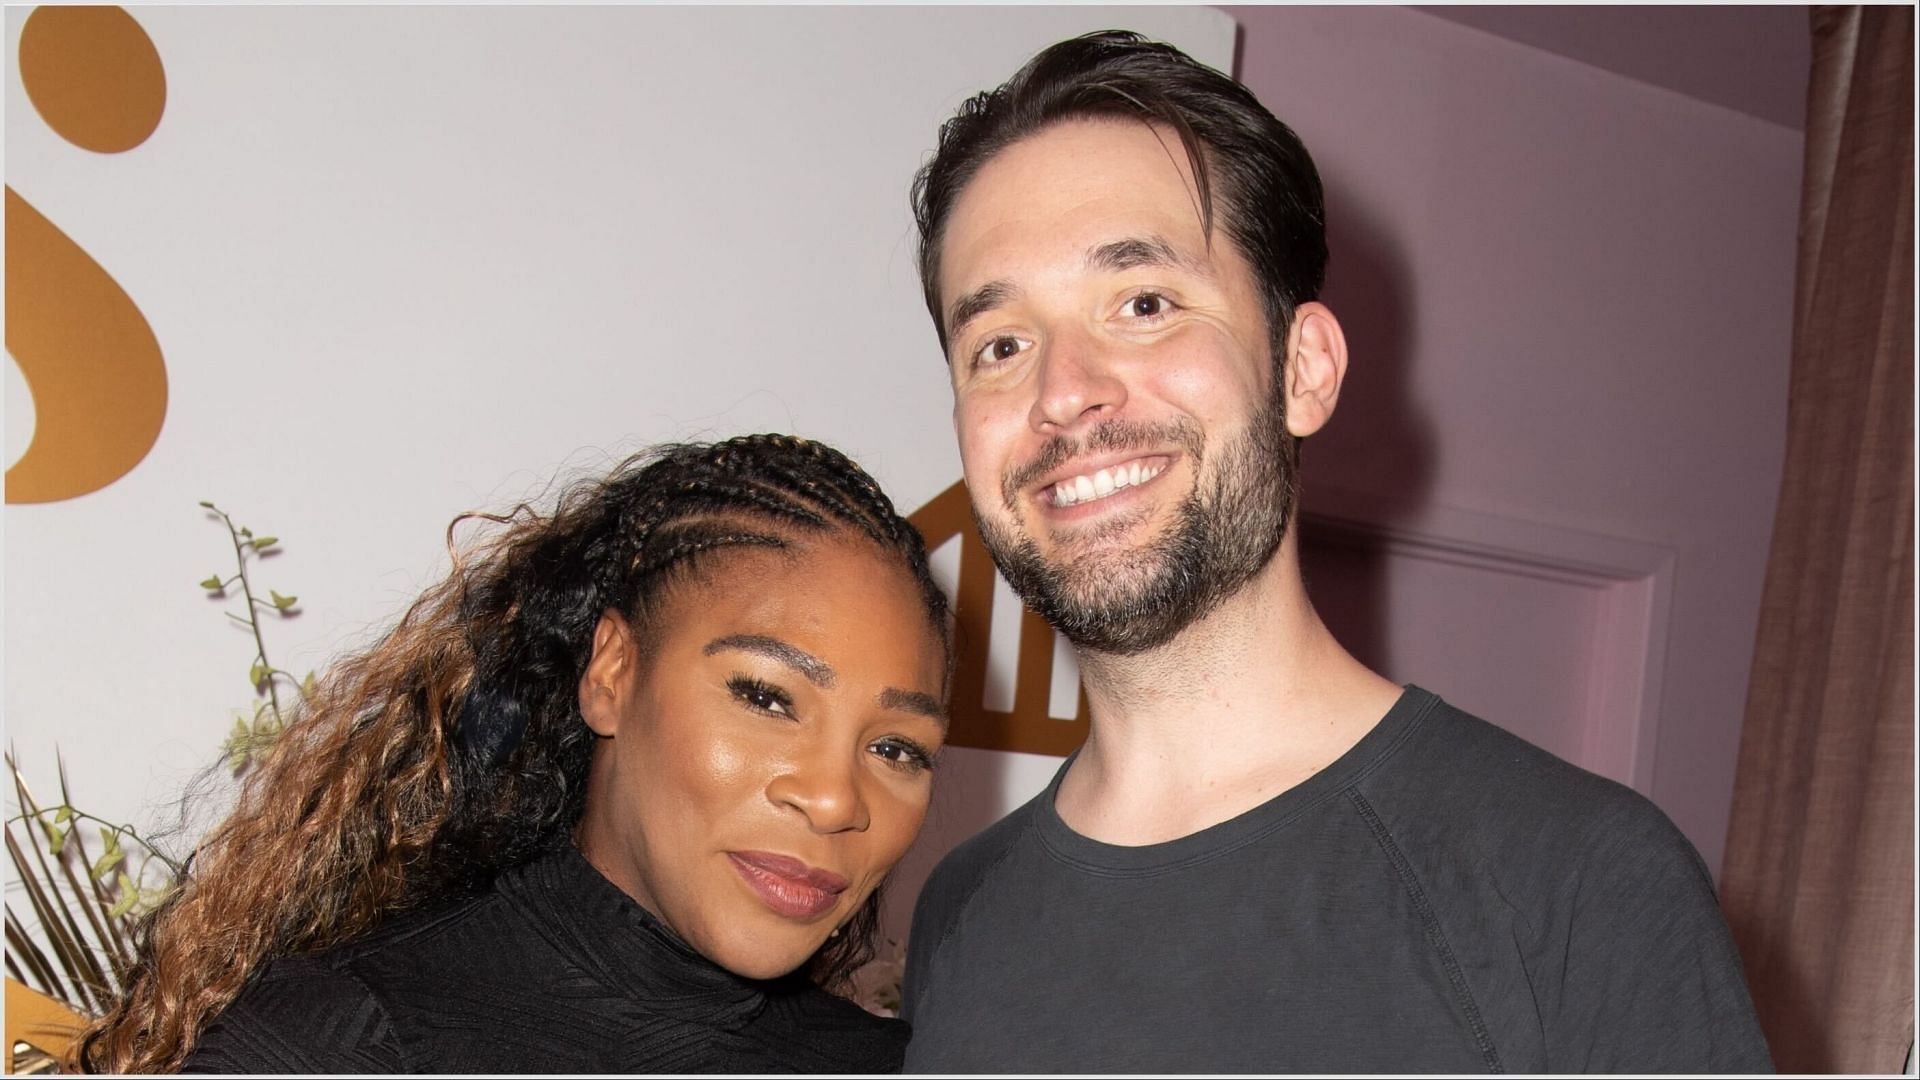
pixel 1265 857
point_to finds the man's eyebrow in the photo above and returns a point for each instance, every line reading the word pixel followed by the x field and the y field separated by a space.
pixel 817 671
pixel 985 298
pixel 1136 251
pixel 913 701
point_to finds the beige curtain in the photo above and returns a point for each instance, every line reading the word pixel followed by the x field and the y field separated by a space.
pixel 1819 875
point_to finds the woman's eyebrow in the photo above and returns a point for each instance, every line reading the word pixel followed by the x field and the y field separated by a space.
pixel 913 701
pixel 817 671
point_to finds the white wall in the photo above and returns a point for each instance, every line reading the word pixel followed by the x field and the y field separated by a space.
pixel 406 262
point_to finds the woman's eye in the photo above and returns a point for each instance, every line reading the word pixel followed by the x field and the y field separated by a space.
pixel 1000 349
pixel 759 695
pixel 902 754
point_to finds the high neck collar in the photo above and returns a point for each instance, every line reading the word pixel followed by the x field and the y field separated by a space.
pixel 624 946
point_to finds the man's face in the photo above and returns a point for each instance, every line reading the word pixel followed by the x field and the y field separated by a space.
pixel 1119 414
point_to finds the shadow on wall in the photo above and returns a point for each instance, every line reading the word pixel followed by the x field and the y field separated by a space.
pixel 1379 442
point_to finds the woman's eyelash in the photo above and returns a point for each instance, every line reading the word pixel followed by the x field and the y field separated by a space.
pixel 760 695
pixel 914 757
pixel 767 698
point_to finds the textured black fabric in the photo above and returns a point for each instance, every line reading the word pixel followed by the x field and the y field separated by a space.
pixel 554 970
pixel 1443 898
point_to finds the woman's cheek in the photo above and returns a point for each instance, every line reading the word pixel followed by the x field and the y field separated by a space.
pixel 729 756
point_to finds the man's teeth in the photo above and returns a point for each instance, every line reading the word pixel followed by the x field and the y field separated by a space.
pixel 1099 485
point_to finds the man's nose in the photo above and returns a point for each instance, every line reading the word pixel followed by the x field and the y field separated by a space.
pixel 1077 383
pixel 825 789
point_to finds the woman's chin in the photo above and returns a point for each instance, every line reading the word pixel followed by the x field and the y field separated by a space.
pixel 764 956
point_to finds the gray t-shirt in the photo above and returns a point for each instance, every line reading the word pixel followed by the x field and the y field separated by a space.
pixel 1445 897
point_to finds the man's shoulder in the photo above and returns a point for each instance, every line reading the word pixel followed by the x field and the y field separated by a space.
pixel 971 862
pixel 1461 782
pixel 958 877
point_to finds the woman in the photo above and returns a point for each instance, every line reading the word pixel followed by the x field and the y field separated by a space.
pixel 617 796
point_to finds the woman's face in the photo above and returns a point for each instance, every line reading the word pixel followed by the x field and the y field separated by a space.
pixel 765 757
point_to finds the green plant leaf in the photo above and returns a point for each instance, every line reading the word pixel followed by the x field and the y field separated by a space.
pixel 129 896
pixel 104 865
pixel 246 532
pixel 306 685
pixel 63 815
pixel 282 602
pixel 56 839
pixel 209 505
pixel 257 674
pixel 262 543
pixel 213 584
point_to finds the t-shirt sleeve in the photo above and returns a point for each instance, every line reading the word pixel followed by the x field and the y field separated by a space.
pixel 1651 981
pixel 933 915
pixel 299 1016
pixel 944 898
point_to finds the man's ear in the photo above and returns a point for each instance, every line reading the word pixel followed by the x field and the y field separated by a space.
pixel 1316 366
pixel 609 678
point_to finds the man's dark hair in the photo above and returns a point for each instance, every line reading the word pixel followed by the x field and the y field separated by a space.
pixel 1270 200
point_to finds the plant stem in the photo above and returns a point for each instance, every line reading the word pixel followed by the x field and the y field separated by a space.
pixel 253 621
pixel 81 815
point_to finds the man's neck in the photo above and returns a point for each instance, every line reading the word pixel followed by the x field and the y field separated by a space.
pixel 1236 709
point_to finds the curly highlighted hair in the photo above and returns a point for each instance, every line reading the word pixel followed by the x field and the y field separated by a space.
pixel 453 748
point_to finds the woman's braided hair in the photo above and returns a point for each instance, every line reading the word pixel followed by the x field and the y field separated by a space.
pixel 453 748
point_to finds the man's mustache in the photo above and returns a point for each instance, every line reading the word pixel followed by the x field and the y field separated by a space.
pixel 1104 437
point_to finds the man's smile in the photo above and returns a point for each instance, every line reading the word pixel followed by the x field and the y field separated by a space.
pixel 1093 485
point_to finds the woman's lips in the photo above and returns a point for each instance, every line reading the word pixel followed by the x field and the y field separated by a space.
pixel 787 885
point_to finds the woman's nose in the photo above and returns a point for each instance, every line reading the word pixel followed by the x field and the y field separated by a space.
pixel 826 790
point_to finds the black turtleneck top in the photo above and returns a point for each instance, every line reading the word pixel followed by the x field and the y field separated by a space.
pixel 552 970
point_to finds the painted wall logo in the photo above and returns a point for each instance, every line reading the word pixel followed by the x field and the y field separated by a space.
pixel 1027 727
pixel 90 361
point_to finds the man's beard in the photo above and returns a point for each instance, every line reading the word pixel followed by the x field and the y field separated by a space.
pixel 1126 602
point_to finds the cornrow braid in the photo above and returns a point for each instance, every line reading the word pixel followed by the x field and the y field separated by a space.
pixel 698 543
pixel 453 748
pixel 827 479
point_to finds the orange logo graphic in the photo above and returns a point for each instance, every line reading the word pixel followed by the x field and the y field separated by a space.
pixel 1027 728
pixel 98 380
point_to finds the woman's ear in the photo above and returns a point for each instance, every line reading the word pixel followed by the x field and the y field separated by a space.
pixel 608 680
pixel 1316 366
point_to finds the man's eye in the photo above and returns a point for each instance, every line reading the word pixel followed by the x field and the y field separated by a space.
pixel 1001 349
pixel 1147 306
